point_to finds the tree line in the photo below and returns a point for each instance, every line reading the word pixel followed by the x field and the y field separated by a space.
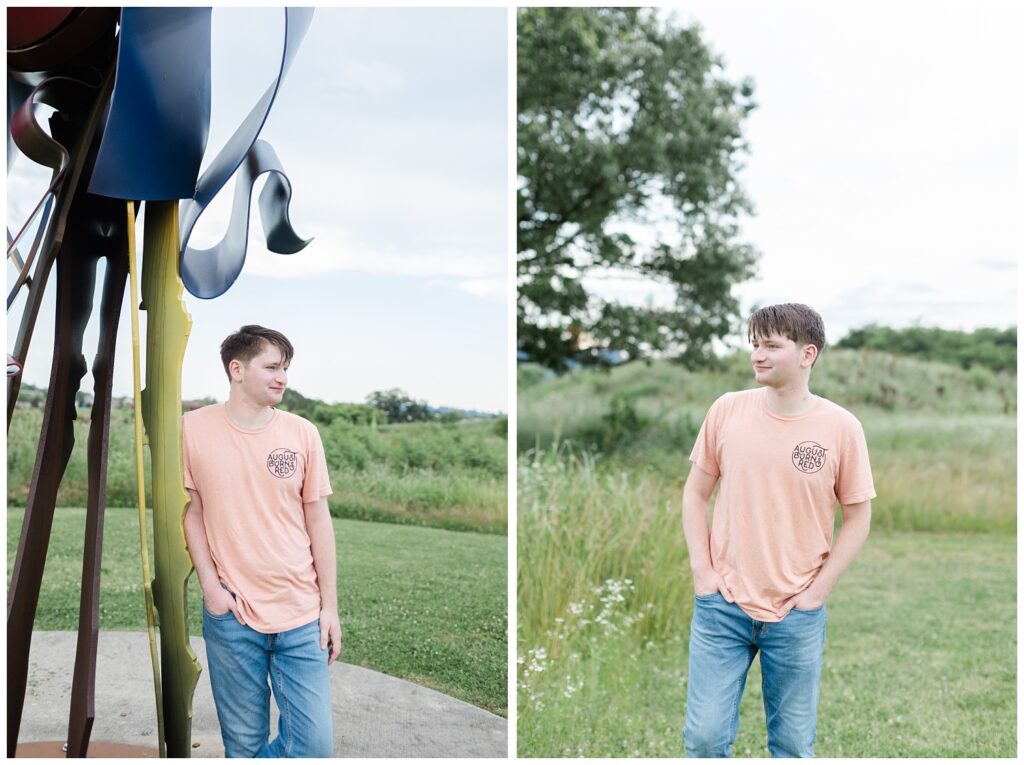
pixel 381 407
pixel 988 347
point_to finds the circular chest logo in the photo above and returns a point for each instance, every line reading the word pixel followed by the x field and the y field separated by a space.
pixel 282 463
pixel 809 456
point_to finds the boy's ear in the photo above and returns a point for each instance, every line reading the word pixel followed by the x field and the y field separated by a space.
pixel 810 353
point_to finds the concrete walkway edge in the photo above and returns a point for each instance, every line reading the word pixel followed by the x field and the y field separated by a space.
pixel 375 715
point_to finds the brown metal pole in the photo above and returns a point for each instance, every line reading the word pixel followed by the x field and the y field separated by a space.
pixel 76 279
pixel 108 216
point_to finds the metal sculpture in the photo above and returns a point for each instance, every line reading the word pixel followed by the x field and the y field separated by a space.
pixel 120 87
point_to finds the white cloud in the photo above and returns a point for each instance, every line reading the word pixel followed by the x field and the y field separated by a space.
pixel 333 250
pixel 489 289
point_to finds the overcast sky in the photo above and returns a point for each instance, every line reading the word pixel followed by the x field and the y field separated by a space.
pixel 883 168
pixel 392 128
pixel 882 164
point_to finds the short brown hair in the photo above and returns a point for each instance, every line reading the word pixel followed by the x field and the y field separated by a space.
pixel 799 322
pixel 248 342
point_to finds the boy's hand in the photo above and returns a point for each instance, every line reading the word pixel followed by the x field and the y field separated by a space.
pixel 219 601
pixel 808 600
pixel 330 633
pixel 709 582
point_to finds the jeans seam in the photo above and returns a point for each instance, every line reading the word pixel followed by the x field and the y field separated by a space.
pixel 737 696
pixel 285 707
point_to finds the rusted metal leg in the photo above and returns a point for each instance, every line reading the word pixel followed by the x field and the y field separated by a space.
pixel 108 217
pixel 76 278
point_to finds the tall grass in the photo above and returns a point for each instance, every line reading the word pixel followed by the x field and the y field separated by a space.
pixel 940 473
pixel 455 500
pixel 23 437
pixel 451 476
pixel 582 528
pixel 601 566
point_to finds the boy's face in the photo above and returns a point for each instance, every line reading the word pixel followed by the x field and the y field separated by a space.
pixel 779 361
pixel 264 378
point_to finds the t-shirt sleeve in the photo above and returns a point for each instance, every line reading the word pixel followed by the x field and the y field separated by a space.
pixel 854 483
pixel 705 449
pixel 317 481
pixel 185 459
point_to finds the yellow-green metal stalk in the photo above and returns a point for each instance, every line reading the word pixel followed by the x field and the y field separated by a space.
pixel 167 330
pixel 140 477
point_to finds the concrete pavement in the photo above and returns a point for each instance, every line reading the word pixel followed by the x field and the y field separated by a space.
pixel 375 715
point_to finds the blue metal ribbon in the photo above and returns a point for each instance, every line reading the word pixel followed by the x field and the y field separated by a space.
pixel 209 273
pixel 159 117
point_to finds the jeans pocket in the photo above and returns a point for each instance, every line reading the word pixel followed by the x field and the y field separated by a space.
pixel 709 596
pixel 212 615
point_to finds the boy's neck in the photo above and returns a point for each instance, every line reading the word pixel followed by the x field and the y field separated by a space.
pixel 245 413
pixel 790 400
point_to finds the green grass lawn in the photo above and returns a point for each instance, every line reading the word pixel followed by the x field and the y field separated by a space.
pixel 920 661
pixel 423 604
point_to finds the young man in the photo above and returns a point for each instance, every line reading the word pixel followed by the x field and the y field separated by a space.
pixel 784 457
pixel 262 544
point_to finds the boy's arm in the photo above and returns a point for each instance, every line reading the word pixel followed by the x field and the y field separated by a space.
pixel 218 600
pixel 856 525
pixel 696 495
pixel 322 547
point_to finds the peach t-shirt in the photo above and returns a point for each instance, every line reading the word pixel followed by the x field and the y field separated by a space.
pixel 253 483
pixel 780 480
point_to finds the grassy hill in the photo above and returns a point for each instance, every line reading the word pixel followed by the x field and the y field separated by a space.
pixel 663 404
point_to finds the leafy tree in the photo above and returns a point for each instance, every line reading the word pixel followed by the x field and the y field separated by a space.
pixel 621 115
pixel 398 406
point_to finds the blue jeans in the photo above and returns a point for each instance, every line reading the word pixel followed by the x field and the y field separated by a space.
pixel 240 660
pixel 723 643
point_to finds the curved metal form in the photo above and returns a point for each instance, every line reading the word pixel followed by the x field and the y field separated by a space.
pixel 78 132
pixel 159 119
pixel 68 96
pixel 43 39
pixel 208 281
pixel 210 273
pixel 13 366
pixel 17 92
